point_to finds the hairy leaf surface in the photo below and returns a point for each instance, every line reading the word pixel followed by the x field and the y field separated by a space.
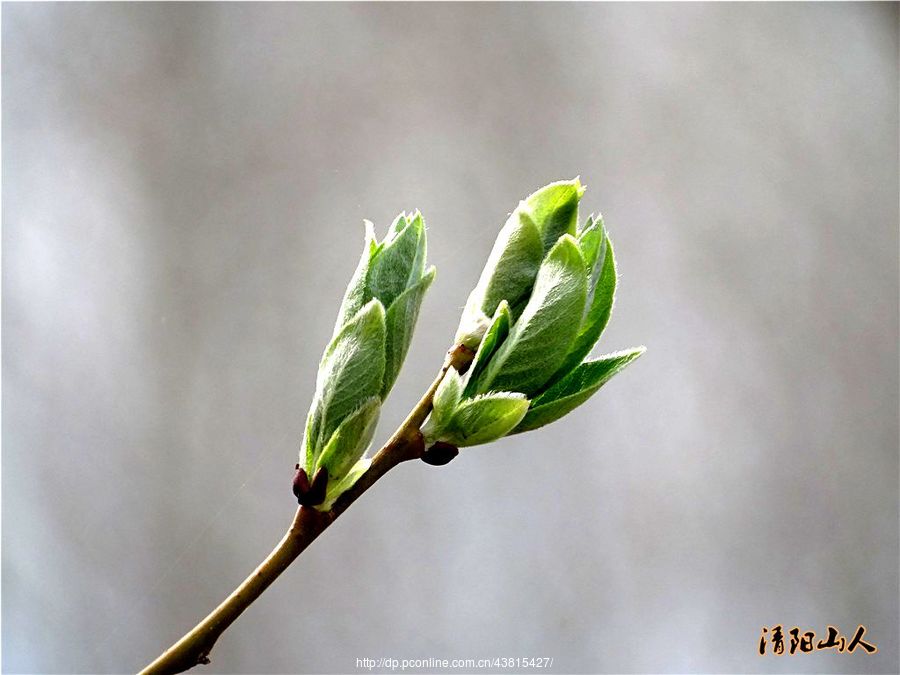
pixel 599 309
pixel 400 321
pixel 496 333
pixel 554 209
pixel 351 439
pixel 351 372
pixel 485 418
pixel 541 338
pixel 576 388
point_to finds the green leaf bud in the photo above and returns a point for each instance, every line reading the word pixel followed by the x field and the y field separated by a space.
pixel 484 418
pixel 446 398
pixel 394 273
pixel 549 287
pixel 371 338
pixel 512 267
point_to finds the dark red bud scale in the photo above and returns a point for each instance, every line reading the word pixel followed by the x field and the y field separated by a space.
pixel 301 484
pixel 316 494
pixel 440 453
pixel 311 493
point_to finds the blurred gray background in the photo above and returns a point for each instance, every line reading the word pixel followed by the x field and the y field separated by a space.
pixel 184 188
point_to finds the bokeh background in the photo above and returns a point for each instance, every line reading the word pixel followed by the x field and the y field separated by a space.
pixel 184 188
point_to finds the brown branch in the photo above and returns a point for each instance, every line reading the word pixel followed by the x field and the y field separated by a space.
pixel 406 443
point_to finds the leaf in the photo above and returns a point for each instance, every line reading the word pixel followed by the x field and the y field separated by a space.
pixel 512 266
pixel 337 488
pixel 493 338
pixel 543 335
pixel 400 322
pixel 592 242
pixel 357 293
pixel 588 222
pixel 598 313
pixel 446 398
pixel 399 261
pixel 351 372
pixel 308 450
pixel 485 418
pixel 576 388
pixel 554 209
pixel 350 440
pixel 417 269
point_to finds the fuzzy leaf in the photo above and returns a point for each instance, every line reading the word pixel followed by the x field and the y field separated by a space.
pixel 350 440
pixel 417 269
pixel 509 274
pixel 400 321
pixel 400 260
pixel 592 242
pixel 357 293
pixel 446 398
pixel 554 209
pixel 337 488
pixel 485 418
pixel 599 309
pixel 576 388
pixel 493 338
pixel 351 372
pixel 541 338
pixel 513 264
pixel 588 222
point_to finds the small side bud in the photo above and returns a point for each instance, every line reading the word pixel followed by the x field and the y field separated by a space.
pixel 301 484
pixel 471 330
pixel 440 453
pixel 466 355
pixel 317 488
pixel 310 494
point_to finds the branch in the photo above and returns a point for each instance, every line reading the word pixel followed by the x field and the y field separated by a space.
pixel 406 443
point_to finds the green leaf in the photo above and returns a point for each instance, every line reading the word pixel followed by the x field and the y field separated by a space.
pixel 485 418
pixel 576 388
pixel 351 371
pixel 554 209
pixel 592 242
pixel 400 321
pixel 400 260
pixel 446 398
pixel 588 222
pixel 496 333
pixel 336 488
pixel 509 273
pixel 350 440
pixel 512 266
pixel 417 269
pixel 357 293
pixel 599 309
pixel 543 335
